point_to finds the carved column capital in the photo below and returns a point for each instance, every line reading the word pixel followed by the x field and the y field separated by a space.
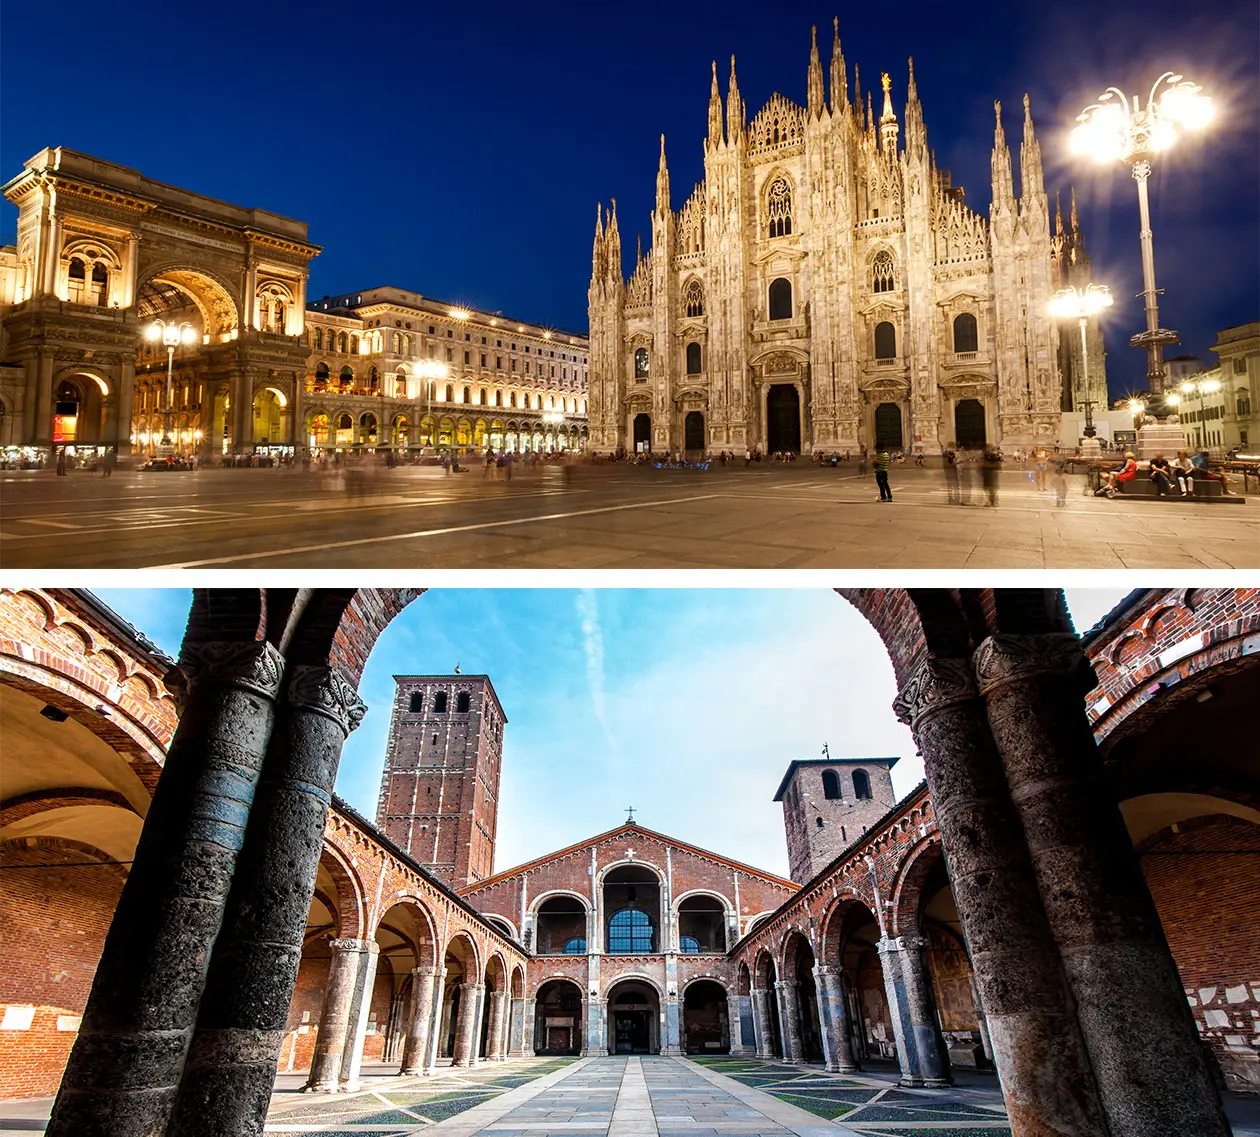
pixel 346 945
pixel 252 666
pixel 327 692
pixel 423 972
pixel 1004 659
pixel 935 685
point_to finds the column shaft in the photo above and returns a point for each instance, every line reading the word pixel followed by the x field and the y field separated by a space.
pixel 463 1050
pixel 734 1026
pixel 231 1063
pixel 925 1030
pixel 1130 1001
pixel 126 1062
pixel 435 1034
pixel 334 1016
pixel 356 1031
pixel 518 1047
pixel 789 1020
pixel 494 1044
pixel 1045 1072
pixel 761 1023
pixel 894 992
pixel 415 1047
pixel 833 1017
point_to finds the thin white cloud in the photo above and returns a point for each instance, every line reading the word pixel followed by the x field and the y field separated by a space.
pixel 593 648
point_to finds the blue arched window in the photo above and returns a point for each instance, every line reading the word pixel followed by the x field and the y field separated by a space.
pixel 630 932
pixel 688 945
pixel 575 946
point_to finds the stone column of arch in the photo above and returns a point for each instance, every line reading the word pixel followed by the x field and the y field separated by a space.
pixel 505 1028
pixel 494 1044
pixel 230 1066
pixel 1047 1081
pixel 478 1022
pixel 356 1030
pixel 924 1035
pixel 334 1016
pixel 734 1026
pixel 465 1044
pixel 789 1019
pixel 833 1016
pixel 761 1022
pixel 415 1047
pixel 126 406
pixel 518 1046
pixel 594 1043
pixel 1129 998
pixel 435 1028
pixel 123 1071
pixel 890 966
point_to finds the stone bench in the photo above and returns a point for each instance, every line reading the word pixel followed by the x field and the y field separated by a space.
pixel 1143 488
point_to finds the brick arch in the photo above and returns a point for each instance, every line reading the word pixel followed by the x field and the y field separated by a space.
pixel 760 961
pixel 907 891
pixel 496 962
pixel 634 977
pixel 425 948
pixel 836 913
pixel 473 969
pixel 351 906
pixel 787 951
pixel 552 894
pixel 720 980
pixel 516 984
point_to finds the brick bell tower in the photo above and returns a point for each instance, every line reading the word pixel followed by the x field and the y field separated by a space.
pixel 440 788
pixel 828 803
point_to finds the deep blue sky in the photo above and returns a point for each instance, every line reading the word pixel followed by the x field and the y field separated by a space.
pixel 460 148
pixel 612 694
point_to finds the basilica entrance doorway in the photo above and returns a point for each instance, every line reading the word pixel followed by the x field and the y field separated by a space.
pixel 888 434
pixel 642 432
pixel 783 418
pixel 633 1019
pixel 969 430
pixel 706 1029
pixel 693 431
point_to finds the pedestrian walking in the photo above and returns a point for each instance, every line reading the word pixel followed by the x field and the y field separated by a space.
pixel 990 464
pixel 882 462
pixel 862 463
pixel 950 461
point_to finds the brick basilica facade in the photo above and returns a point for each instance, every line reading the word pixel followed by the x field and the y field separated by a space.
pixel 895 942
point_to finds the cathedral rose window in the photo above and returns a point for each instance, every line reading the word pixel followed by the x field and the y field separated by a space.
pixel 883 276
pixel 779 207
pixel 694 299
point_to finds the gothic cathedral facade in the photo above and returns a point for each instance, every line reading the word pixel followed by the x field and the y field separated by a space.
pixel 826 288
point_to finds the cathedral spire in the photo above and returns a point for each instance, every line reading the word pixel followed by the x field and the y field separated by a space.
pixel 1058 215
pixel 662 184
pixel 916 134
pixel 614 242
pixel 1032 189
pixel 1076 221
pixel 887 120
pixel 598 251
pixel 870 116
pixel 715 111
pixel 1003 190
pixel 734 109
pixel 815 82
pixel 839 76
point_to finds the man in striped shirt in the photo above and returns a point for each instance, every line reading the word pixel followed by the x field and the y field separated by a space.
pixel 881 475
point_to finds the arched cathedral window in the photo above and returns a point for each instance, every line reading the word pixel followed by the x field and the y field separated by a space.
pixel 883 278
pixel 694 299
pixel 694 359
pixel 885 340
pixel 781 299
pixel 641 363
pixel 779 208
pixel 965 333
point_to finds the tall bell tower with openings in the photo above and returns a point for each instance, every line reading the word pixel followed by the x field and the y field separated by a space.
pixel 439 795
pixel 828 803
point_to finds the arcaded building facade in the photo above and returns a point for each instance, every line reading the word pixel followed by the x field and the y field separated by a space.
pixel 103 251
pixel 926 932
pixel 826 286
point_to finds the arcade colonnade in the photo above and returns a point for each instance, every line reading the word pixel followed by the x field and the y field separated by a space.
pixel 1087 1019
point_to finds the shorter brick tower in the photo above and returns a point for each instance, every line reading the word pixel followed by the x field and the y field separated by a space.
pixel 440 787
pixel 828 803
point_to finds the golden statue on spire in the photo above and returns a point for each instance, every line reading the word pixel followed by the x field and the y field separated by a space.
pixel 887 83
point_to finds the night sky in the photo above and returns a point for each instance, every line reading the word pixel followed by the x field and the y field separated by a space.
pixel 460 149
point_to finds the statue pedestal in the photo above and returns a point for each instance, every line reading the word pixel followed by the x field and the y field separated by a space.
pixel 1160 438
pixel 1090 447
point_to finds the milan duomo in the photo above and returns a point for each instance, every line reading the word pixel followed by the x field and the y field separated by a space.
pixel 827 287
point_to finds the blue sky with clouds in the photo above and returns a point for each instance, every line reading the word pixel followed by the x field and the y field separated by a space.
pixel 685 703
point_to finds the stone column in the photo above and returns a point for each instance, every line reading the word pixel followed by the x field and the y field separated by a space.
pixel 435 1033
pixel 1130 1002
pixel 734 1026
pixel 231 1064
pixel 41 421
pixel 1040 1055
pixel 519 1046
pixel 109 423
pixel 494 1045
pixel 505 1029
pixel 416 1046
pixel 833 1016
pixel 925 1028
pixel 761 1023
pixel 126 1063
pixel 594 1044
pixel 463 1054
pixel 334 1016
pixel 985 1044
pixel 672 1042
pixel 895 994
pixel 126 405
pixel 356 1030
pixel 479 1020
pixel 789 1019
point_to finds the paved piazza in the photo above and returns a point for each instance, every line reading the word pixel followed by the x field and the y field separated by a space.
pixel 605 516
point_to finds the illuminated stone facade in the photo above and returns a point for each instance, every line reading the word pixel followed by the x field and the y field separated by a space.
pixel 826 287
pixel 102 251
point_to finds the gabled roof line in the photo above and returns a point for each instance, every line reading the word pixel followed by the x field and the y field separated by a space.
pixel 627 827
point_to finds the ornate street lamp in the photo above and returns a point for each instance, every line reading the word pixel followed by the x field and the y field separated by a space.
pixel 1190 389
pixel 1115 128
pixel 1081 303
pixel 172 336
pixel 430 370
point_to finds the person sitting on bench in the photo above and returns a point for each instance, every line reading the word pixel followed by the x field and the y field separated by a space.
pixel 1161 475
pixel 1115 479
pixel 1200 470
pixel 1181 469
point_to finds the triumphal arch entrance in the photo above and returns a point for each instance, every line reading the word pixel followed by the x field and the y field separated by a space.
pixel 103 253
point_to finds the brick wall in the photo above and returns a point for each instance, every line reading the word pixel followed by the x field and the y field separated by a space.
pixel 52 929
pixel 1202 874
